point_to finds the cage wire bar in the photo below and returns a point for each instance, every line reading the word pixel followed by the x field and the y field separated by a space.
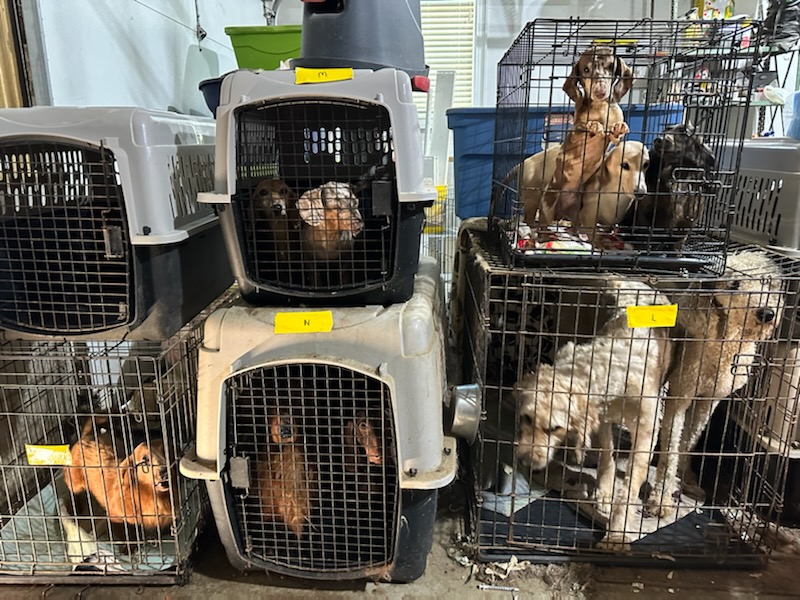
pixel 323 495
pixel 510 322
pixel 94 430
pixel 696 75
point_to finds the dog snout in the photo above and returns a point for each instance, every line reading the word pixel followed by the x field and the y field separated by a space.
pixel 765 314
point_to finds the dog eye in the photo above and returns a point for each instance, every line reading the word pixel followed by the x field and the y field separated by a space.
pixel 527 420
pixel 554 429
pixel 586 70
pixel 626 166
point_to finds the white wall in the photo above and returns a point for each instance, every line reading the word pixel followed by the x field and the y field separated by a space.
pixel 136 52
pixel 498 22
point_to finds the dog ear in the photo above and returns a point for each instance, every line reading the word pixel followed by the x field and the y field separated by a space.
pixel 624 75
pixel 573 81
pixel 311 208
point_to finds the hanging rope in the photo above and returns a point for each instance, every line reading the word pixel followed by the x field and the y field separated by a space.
pixel 198 30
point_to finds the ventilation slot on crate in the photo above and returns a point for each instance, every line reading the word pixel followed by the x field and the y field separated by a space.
pixel 65 266
pixel 313 478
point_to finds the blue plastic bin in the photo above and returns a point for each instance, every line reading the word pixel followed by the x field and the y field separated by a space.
pixel 473 144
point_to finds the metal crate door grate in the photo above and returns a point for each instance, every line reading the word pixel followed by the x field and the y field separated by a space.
pixel 322 487
pixel 306 143
pixel 65 264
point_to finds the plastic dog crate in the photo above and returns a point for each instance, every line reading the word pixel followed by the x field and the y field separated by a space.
pixel 100 231
pixel 510 322
pixel 322 443
pixel 65 519
pixel 320 187
pixel 682 222
pixel 363 34
pixel 767 193
pixel 473 143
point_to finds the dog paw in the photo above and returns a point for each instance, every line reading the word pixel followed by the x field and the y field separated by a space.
pixel 660 503
pixel 595 127
pixel 614 541
pixel 619 129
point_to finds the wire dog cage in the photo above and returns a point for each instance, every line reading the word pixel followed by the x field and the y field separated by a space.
pixel 101 234
pixel 93 431
pixel 322 444
pixel 572 188
pixel 324 184
pixel 574 369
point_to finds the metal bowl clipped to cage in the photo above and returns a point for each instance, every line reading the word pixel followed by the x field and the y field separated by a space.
pixel 617 142
pixel 572 458
pixel 321 443
pixel 101 235
pixel 320 187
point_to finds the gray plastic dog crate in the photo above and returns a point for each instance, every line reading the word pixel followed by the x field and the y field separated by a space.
pixel 767 193
pixel 101 234
pixel 320 187
pixel 364 34
pixel 322 444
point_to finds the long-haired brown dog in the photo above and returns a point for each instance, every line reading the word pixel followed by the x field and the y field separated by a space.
pixel 721 328
pixel 134 490
pixel 274 203
pixel 597 83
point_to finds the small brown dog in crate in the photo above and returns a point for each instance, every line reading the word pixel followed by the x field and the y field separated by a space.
pixel 597 83
pixel 616 378
pixel 720 328
pixel 273 203
pixel 287 478
pixel 330 220
pixel 134 489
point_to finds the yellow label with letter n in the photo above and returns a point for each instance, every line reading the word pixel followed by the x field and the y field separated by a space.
pixel 652 316
pixel 304 322
pixel 57 455
pixel 304 75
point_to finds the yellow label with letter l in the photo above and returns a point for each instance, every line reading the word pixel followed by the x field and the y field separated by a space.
pixel 58 455
pixel 652 316
pixel 304 75
pixel 304 322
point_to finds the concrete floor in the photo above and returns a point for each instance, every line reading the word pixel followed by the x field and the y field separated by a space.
pixel 445 578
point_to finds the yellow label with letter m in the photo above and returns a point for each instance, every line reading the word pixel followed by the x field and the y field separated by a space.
pixel 303 75
pixel 304 322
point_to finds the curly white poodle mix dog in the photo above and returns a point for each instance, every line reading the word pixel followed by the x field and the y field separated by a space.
pixel 720 329
pixel 615 378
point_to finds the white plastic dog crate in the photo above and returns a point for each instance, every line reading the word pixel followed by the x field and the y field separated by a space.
pixel 68 516
pixel 320 186
pixel 320 435
pixel 538 500
pixel 767 193
pixel 101 234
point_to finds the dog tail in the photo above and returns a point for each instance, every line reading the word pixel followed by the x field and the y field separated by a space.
pixel 498 189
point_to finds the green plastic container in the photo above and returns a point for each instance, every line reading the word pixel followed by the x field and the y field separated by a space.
pixel 264 46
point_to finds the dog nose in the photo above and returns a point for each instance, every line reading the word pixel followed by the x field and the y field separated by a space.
pixel 765 314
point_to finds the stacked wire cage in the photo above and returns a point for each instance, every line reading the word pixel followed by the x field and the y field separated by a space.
pixel 322 445
pixel 101 235
pixel 569 180
pixel 575 369
pixel 93 432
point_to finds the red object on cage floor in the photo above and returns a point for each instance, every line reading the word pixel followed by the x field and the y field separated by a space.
pixel 420 83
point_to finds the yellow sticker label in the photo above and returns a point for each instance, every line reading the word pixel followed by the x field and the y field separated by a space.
pixel 304 322
pixel 58 455
pixel 617 41
pixel 652 316
pixel 303 75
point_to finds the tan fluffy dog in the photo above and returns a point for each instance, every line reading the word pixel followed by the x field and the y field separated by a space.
pixel 134 490
pixel 331 220
pixel 596 84
pixel 616 378
pixel 721 329
pixel 606 196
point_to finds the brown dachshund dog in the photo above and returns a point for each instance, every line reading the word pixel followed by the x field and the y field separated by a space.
pixel 134 490
pixel 597 83
pixel 273 203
